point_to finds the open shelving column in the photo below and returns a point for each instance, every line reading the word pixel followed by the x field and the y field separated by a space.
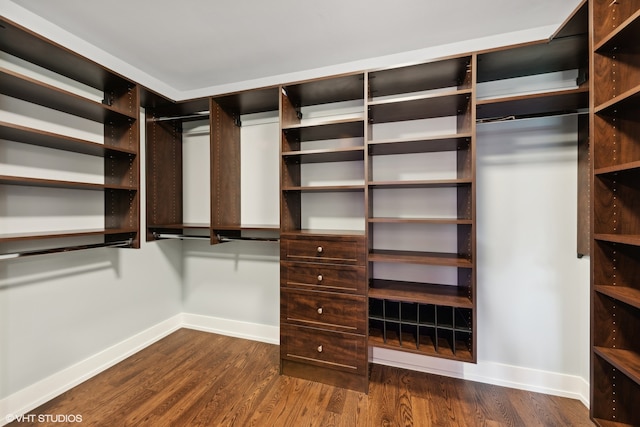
pixel 227 113
pixel 164 127
pixel 117 111
pixel 425 111
pixel 615 260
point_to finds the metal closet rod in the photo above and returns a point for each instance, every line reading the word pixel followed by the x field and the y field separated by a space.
pixel 22 254
pixel 201 115
pixel 219 237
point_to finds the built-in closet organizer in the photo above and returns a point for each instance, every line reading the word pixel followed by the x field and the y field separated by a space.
pixel 421 208
pixel 323 331
pixel 615 259
pixel 225 115
pixel 86 114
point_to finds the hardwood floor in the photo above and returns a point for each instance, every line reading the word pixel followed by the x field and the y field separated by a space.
pixel 193 378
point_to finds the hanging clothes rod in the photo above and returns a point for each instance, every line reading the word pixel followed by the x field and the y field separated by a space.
pixel 255 239
pixel 531 116
pixel 179 236
pixel 202 115
pixel 22 254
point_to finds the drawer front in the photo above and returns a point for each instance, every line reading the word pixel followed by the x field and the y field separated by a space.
pixel 327 310
pixel 322 276
pixel 334 350
pixel 324 250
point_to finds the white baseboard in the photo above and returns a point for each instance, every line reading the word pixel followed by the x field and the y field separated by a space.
pixel 31 397
pixel 232 328
pixel 539 381
pixel 35 395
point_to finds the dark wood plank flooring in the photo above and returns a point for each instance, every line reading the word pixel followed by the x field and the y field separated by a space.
pixel 193 378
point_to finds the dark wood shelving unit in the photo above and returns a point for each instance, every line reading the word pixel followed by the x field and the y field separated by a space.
pixel 615 260
pixel 118 111
pixel 164 124
pixel 225 124
pixel 440 88
pixel 323 302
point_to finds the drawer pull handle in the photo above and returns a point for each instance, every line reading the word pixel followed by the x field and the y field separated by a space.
pixel 319 349
pixel 319 249
pixel 319 277
pixel 319 310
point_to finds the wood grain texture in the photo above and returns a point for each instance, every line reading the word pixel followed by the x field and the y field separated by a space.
pixel 193 378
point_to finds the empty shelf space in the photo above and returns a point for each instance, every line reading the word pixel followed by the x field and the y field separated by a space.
pixel 421 77
pixel 247 227
pixel 390 220
pixel 325 155
pixel 317 232
pixel 544 103
pixel 625 167
pixel 629 101
pixel 429 144
pixel 626 361
pixel 625 35
pixel 415 257
pixel 625 294
pixel 325 188
pixel 38 182
pixel 330 129
pixel 628 239
pixel 14 237
pixel 440 183
pixel 31 90
pixel 607 423
pixel 419 107
pixel 423 293
pixel 185 226
pixel 324 91
pixel 26 135
pixel 566 53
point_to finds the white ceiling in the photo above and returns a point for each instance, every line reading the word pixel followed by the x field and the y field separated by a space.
pixel 198 46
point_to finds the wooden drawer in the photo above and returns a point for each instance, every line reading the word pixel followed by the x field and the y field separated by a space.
pixel 335 350
pixel 327 310
pixel 323 277
pixel 324 249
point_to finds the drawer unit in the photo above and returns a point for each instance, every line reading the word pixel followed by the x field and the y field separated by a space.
pixel 331 250
pixel 335 350
pixel 337 278
pixel 327 310
pixel 323 309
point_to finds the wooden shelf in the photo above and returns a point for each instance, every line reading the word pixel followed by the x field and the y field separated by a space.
pixel 419 107
pixel 325 188
pixel 331 129
pixel 38 182
pixel 21 42
pixel 625 35
pixel 626 361
pixel 628 239
pixel 625 294
pixel 323 232
pixel 528 59
pixel 247 227
pixel 440 183
pixel 26 135
pixel 15 237
pixel 628 102
pixel 421 77
pixel 453 221
pixel 545 103
pixel 249 102
pixel 415 257
pixel 30 90
pixel 185 226
pixel 423 293
pixel 324 91
pixel 625 167
pixel 425 349
pixel 431 144
pixel 607 423
pixel 328 155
